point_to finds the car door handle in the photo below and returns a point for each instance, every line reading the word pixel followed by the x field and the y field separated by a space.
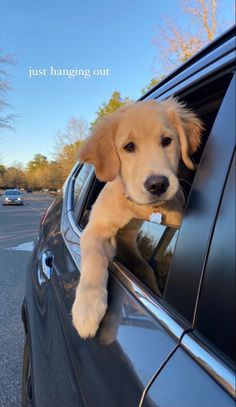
pixel 45 268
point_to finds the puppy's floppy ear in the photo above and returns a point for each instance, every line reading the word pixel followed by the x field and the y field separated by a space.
pixel 100 149
pixel 189 128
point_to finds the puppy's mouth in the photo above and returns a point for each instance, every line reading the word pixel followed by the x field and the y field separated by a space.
pixel 150 200
pixel 158 200
pixel 143 197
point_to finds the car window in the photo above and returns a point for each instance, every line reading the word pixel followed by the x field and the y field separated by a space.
pixel 215 322
pixel 83 217
pixel 151 260
pixel 80 179
pixel 15 192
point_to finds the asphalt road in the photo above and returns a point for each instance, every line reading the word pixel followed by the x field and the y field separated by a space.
pixel 18 230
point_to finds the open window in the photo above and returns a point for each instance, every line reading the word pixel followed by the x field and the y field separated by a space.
pixel 156 243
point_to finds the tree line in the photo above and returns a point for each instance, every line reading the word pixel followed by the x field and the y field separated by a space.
pixel 174 44
pixel 41 173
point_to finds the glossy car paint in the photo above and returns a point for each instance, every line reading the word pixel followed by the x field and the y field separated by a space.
pixel 190 386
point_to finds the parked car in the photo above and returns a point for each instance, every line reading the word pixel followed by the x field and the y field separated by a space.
pixel 177 349
pixel 53 192
pixel 12 197
pixel 29 190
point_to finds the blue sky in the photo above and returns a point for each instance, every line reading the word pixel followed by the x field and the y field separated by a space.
pixel 113 35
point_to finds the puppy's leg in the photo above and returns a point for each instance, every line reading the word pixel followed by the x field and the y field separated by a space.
pixel 108 214
pixel 90 302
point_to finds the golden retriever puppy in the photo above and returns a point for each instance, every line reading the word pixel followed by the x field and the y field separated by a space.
pixel 136 150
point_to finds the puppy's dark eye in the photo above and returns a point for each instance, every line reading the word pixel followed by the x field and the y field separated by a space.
pixel 165 141
pixel 130 147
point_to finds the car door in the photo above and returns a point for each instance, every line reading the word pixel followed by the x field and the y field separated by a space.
pixel 201 372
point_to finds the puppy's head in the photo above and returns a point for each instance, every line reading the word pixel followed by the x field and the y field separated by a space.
pixel 143 143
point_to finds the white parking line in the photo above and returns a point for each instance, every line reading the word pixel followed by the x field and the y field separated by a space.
pixel 24 208
pixel 26 247
pixel 13 210
pixel 16 225
pixel 22 234
pixel 42 210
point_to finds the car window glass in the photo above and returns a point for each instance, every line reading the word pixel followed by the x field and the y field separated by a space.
pixel 80 180
pixel 93 193
pixel 149 259
pixel 13 192
pixel 216 312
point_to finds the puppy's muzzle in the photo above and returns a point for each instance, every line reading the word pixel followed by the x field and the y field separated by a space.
pixel 156 184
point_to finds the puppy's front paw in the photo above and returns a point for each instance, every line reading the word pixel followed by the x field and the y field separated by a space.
pixel 88 310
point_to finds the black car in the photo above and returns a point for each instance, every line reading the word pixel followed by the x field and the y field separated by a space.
pixel 177 349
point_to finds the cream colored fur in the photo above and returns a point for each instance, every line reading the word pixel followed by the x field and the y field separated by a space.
pixel 124 197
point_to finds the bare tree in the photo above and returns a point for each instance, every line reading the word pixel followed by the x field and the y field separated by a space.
pixel 175 43
pixel 68 142
pixel 76 130
pixel 205 12
pixel 5 119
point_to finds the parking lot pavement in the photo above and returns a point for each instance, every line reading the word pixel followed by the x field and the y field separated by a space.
pixel 18 230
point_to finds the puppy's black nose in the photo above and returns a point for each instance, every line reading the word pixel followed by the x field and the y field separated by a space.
pixel 156 184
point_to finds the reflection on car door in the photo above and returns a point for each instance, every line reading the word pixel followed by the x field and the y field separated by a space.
pixel 183 383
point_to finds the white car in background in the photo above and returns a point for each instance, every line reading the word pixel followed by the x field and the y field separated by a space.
pixel 12 197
